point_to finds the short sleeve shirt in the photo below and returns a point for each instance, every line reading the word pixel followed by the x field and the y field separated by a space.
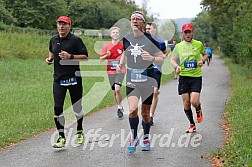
pixel 71 44
pixel 133 47
pixel 114 58
pixel 189 54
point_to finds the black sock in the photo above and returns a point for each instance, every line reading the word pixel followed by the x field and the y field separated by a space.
pixel 198 108
pixel 189 115
pixel 134 125
pixel 60 122
pixel 146 128
pixel 79 123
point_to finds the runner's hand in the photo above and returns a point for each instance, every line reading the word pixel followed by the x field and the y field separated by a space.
pixel 48 61
pixel 178 69
pixel 146 56
pixel 200 63
pixel 64 55
pixel 118 68
pixel 108 53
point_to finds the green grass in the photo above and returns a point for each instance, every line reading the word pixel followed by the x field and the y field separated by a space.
pixel 25 99
pixel 238 152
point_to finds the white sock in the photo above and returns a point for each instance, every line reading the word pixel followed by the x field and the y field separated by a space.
pixel 119 106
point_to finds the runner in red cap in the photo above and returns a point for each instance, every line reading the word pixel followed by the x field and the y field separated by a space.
pixel 65 47
pixel 189 52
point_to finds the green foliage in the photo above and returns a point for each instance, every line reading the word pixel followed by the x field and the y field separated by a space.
pixel 97 14
pixel 92 14
pixel 202 27
pixel 231 22
pixel 32 45
pixel 5 15
pixel 36 13
pixel 23 45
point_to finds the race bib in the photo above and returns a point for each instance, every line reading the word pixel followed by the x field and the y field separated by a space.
pixel 138 75
pixel 191 65
pixel 113 64
pixel 68 82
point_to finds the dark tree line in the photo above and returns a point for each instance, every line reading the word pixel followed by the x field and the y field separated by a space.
pixel 42 14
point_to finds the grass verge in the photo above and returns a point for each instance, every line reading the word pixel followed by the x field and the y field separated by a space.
pixel 238 113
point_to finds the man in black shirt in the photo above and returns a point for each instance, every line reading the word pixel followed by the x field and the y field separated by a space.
pixel 64 48
pixel 141 51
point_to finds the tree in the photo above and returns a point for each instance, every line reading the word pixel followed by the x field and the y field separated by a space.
pixel 232 23
pixel 202 27
pixel 5 15
pixel 36 13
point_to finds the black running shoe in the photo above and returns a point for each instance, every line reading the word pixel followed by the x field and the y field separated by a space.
pixel 120 113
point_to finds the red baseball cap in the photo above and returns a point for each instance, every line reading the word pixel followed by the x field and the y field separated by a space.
pixel 64 19
pixel 187 27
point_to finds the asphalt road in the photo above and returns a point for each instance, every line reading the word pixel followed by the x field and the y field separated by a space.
pixel 107 136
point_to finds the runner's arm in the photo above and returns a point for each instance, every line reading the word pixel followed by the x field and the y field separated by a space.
pixel 204 58
pixel 50 58
pixel 158 58
pixel 122 63
pixel 105 56
pixel 174 63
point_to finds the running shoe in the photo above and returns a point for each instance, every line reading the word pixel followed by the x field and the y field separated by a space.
pixel 132 145
pixel 146 145
pixel 191 129
pixel 80 136
pixel 60 142
pixel 199 116
pixel 120 113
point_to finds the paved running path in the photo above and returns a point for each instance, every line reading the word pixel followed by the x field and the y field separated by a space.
pixel 172 147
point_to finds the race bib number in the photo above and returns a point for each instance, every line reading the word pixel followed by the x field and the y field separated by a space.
pixel 191 65
pixel 138 75
pixel 68 82
pixel 113 64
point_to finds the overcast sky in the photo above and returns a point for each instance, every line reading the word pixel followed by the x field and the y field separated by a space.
pixel 173 9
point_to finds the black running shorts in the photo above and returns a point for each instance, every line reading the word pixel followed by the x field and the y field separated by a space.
pixel 189 84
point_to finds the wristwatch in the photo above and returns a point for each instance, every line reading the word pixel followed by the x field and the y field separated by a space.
pixel 72 56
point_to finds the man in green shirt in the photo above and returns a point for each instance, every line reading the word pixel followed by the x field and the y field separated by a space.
pixel 192 55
